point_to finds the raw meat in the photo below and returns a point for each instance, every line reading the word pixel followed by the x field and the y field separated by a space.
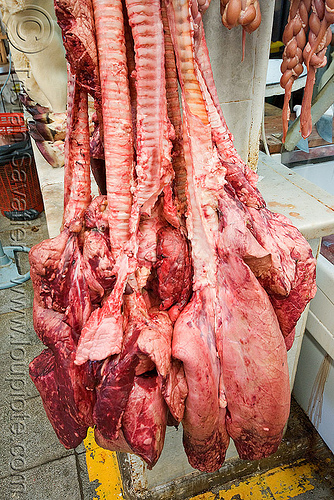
pixel 69 430
pixel 205 437
pixel 256 387
pixel 306 38
pixel 171 297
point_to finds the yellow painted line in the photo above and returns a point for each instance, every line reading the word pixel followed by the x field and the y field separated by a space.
pixel 205 496
pixel 281 483
pixel 290 481
pixel 103 467
pixel 251 489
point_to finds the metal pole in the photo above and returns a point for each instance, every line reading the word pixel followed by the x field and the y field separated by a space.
pixel 4 259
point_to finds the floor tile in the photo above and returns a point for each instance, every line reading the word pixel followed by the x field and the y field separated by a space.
pixel 19 345
pixel 17 298
pixel 56 480
pixel 26 429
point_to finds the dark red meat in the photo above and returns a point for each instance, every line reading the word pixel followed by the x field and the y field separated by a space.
pixel 69 429
pixel 174 270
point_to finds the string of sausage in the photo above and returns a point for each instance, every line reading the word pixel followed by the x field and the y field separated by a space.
pixel 247 13
pixel 294 39
pixel 314 16
pixel 314 55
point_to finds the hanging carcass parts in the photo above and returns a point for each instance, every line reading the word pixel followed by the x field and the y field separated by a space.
pixel 157 297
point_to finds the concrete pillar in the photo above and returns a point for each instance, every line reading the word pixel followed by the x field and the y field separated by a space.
pixel 241 85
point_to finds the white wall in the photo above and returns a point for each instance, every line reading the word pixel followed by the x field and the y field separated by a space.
pixel 240 85
pixel 311 358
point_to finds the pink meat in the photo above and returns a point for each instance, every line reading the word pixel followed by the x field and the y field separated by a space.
pixel 96 214
pixel 175 390
pixel 75 17
pixel 153 165
pixel 58 320
pixel 98 260
pixel 164 299
pixel 174 270
pixel 147 235
pixel 204 433
pixel 117 124
pixel 117 379
pixel 155 341
pixel 132 76
pixel 118 444
pixel 174 115
pixel 238 174
pixel 147 336
pixel 68 167
pixel 256 387
pixel 69 430
pixel 205 437
pixel 291 281
pixel 80 191
pixel 303 286
pixel 102 334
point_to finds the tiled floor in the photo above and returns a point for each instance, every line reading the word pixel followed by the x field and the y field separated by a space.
pixel 35 466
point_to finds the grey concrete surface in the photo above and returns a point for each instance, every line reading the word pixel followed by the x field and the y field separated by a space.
pixel 88 489
pixel 26 232
pixel 35 434
pixel 56 480
pixel 11 370
pixel 17 298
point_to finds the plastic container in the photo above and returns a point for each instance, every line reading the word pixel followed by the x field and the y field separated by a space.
pixel 19 185
pixel 12 123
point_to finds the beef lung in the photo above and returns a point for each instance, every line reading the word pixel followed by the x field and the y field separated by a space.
pixel 69 428
pixel 61 307
pixel 130 402
pixel 118 444
pixel 205 437
pixel 290 283
pixel 253 360
pixel 175 391
pixel 113 393
pixel 145 418
pixel 255 377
